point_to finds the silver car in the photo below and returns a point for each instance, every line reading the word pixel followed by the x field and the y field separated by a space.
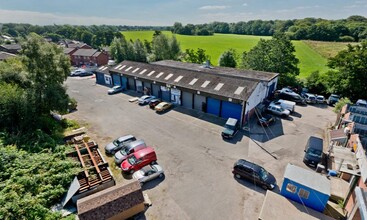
pixel 145 99
pixel 148 173
pixel 117 144
pixel 128 149
pixel 278 110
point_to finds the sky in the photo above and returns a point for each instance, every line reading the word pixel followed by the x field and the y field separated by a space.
pixel 166 12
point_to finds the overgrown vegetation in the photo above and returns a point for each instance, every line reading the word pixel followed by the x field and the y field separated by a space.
pixel 34 170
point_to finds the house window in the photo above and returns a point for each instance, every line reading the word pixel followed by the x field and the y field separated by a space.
pixel 291 188
pixel 303 193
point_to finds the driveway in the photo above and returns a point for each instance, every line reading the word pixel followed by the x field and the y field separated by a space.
pixel 197 162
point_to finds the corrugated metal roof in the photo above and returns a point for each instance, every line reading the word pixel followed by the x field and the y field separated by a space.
pixel 307 178
pixel 85 52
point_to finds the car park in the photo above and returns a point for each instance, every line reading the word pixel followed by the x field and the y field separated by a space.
pixel 154 102
pixel 114 90
pixel 265 120
pixel 230 128
pixel 163 106
pixel 277 110
pixel 254 174
pixel 119 143
pixel 320 99
pixel 148 173
pixel 313 151
pixel 310 98
pixel 333 99
pixel 139 159
pixel 145 99
pixel 128 149
pixel 286 104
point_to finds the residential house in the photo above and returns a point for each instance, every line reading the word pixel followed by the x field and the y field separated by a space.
pixel 11 48
pixel 90 57
pixel 306 187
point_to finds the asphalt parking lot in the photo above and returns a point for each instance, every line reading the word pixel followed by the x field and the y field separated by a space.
pixel 198 182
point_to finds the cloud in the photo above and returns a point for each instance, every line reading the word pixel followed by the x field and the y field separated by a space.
pixel 40 18
pixel 244 4
pixel 214 7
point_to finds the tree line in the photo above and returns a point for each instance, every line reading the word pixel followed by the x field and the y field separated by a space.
pixel 34 170
pixel 354 28
pixel 94 35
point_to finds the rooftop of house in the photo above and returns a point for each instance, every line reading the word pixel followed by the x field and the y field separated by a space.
pixel 68 50
pixel 5 55
pixel 343 160
pixel 277 207
pixel 209 81
pixel 110 202
pixel 85 52
pixel 307 178
pixel 12 46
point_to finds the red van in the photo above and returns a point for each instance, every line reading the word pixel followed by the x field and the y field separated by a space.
pixel 139 159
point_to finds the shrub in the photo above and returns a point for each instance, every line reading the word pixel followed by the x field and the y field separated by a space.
pixel 339 105
pixel 346 39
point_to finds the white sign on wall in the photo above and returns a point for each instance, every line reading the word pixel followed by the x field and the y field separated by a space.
pixel 108 80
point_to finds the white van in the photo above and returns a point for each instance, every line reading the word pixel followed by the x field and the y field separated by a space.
pixel 289 105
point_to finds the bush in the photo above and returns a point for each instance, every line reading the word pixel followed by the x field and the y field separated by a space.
pixel 346 39
pixel 339 105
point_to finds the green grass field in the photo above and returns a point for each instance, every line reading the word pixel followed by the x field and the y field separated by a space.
pixel 310 60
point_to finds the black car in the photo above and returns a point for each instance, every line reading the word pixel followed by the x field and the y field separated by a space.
pixel 254 173
pixel 333 99
pixel 314 151
pixel 153 103
pixel 86 73
pixel 292 97
pixel 265 120
pixel 230 128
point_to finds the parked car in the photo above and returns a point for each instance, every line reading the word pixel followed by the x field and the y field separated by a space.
pixel 277 110
pixel 139 159
pixel 230 128
pixel 114 90
pixel 320 99
pixel 86 73
pixel 265 120
pixel 254 173
pixel 117 144
pixel 148 173
pixel 294 97
pixel 333 99
pixel 361 102
pixel 77 72
pixel 313 151
pixel 153 103
pixel 145 99
pixel 163 106
pixel 310 98
pixel 286 104
pixel 128 149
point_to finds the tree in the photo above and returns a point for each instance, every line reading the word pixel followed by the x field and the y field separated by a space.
pixel 47 68
pixel 193 56
pixel 339 105
pixel 275 55
pixel 228 58
pixel 316 83
pixel 165 48
pixel 349 78
pixel 121 49
pixel 140 53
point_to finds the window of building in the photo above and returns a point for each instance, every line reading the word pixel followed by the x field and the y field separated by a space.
pixel 303 193
pixel 291 188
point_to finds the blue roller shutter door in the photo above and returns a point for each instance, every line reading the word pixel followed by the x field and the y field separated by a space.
pixel 166 96
pixel 231 110
pixel 116 80
pixel 100 78
pixel 124 82
pixel 156 90
pixel 213 106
